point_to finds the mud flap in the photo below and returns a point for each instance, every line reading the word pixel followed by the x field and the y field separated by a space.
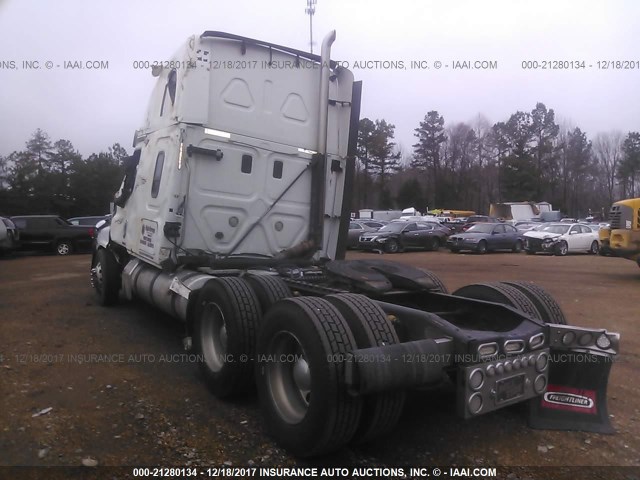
pixel 576 396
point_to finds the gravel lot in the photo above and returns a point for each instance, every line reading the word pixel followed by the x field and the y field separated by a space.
pixel 121 390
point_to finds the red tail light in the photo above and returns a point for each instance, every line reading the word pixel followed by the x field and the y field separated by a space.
pixel 92 232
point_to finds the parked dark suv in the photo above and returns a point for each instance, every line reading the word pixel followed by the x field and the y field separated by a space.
pixel 53 233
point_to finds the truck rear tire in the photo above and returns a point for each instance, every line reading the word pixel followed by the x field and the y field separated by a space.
pixel 500 293
pixel 227 318
pixel 300 376
pixel 440 286
pixel 549 309
pixel 269 289
pixel 370 328
pixel 106 277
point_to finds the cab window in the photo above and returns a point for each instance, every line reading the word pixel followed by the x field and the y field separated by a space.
pixel 157 175
pixel 170 89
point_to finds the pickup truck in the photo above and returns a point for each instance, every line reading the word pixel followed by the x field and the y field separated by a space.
pixel 53 233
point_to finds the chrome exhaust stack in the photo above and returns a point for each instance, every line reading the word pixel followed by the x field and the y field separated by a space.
pixel 325 70
pixel 319 165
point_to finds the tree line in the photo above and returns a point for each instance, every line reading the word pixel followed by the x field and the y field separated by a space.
pixel 52 177
pixel 468 166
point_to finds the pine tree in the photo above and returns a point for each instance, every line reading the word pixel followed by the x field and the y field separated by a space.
pixel 426 152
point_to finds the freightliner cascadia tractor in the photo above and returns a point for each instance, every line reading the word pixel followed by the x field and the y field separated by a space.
pixel 233 217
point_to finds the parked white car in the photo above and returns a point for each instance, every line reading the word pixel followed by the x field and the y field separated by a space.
pixel 562 238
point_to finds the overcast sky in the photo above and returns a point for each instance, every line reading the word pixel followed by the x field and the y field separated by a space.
pixel 95 108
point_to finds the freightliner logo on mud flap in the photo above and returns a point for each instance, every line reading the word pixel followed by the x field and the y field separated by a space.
pixel 567 398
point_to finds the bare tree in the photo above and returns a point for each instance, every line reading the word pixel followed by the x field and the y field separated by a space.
pixel 607 148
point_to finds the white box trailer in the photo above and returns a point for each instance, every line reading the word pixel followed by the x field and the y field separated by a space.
pixel 387 215
pixel 233 217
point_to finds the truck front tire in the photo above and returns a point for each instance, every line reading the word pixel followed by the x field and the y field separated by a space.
pixel 106 277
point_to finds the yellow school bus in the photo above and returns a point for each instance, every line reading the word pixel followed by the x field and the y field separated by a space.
pixel 622 238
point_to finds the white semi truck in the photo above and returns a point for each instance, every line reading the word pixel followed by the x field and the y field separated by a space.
pixel 233 217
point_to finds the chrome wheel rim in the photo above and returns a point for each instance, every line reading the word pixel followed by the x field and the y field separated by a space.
pixel 213 334
pixel 289 377
pixel 63 249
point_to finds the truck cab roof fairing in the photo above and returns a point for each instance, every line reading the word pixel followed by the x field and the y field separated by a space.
pixel 253 41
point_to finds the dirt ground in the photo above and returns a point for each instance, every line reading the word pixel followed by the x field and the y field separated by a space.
pixel 122 391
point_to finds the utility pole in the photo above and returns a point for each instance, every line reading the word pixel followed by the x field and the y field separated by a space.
pixel 310 10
